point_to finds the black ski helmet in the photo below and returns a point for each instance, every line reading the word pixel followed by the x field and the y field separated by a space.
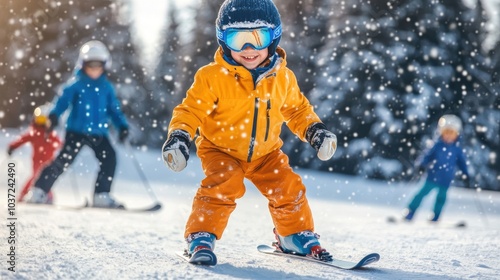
pixel 249 13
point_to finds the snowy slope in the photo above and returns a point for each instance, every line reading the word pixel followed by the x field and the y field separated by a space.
pixel 349 214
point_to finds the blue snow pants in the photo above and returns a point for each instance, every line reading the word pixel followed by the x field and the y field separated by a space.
pixel 424 191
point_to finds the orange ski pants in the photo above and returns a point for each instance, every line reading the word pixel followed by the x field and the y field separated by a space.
pixel 215 200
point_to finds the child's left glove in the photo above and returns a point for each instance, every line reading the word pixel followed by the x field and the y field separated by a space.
pixel 175 151
pixel 54 121
pixel 322 140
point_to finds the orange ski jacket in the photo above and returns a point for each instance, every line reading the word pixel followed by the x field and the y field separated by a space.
pixel 240 117
pixel 44 147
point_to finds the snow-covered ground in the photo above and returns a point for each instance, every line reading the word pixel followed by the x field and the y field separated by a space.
pixel 350 215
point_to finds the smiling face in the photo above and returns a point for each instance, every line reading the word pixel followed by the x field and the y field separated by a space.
pixel 250 58
pixel 93 69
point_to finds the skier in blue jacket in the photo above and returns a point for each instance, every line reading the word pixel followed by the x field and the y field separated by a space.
pixel 92 101
pixel 440 162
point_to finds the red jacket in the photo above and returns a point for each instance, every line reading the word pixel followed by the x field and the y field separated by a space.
pixel 43 147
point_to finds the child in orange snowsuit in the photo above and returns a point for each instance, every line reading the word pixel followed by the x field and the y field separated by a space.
pixel 44 146
pixel 238 104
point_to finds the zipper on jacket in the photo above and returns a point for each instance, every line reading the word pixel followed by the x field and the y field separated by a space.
pixel 254 130
pixel 268 118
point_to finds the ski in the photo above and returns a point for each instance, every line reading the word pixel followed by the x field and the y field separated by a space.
pixel 86 205
pixel 343 264
pixel 61 207
pixel 459 224
pixel 200 257
pixel 153 208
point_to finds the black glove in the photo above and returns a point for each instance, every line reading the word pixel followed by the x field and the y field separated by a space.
pixel 175 151
pixel 9 151
pixel 54 121
pixel 419 169
pixel 322 140
pixel 123 135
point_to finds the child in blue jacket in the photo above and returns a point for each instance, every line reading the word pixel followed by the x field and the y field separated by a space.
pixel 92 101
pixel 440 162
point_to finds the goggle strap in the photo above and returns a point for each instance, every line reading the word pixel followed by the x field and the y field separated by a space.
pixel 277 32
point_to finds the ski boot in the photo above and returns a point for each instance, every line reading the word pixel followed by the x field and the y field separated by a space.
pixel 408 215
pixel 37 196
pixel 104 200
pixel 434 219
pixel 304 243
pixel 200 248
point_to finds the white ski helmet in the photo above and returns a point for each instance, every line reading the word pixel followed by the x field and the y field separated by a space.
pixel 450 122
pixel 94 51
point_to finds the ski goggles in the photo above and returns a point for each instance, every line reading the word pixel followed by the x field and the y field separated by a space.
pixel 238 39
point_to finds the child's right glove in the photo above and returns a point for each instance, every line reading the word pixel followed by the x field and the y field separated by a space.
pixel 54 121
pixel 322 140
pixel 175 151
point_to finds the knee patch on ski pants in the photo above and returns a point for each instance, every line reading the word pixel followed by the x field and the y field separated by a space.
pixel 215 200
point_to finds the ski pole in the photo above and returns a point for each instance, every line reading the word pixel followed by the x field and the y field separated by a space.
pixel 479 207
pixel 141 173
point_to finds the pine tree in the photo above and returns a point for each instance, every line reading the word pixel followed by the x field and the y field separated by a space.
pixel 482 106
pixel 23 25
pixel 167 81
pixel 200 50
pixel 306 25
pixel 388 72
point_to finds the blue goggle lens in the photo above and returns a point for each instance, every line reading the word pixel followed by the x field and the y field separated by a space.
pixel 237 39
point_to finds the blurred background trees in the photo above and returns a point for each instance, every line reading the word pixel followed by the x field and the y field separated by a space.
pixel 380 73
